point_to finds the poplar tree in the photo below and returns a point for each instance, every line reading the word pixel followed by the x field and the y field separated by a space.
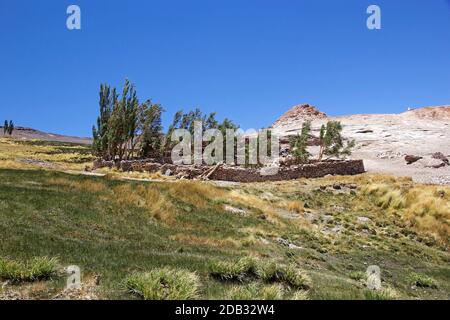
pixel 331 141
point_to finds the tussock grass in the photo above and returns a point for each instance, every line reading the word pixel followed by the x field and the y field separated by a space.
pixel 290 274
pixel 38 268
pixel 425 208
pixel 239 270
pixel 268 271
pixel 255 291
pixel 382 294
pixel 358 275
pixel 295 277
pixel 422 281
pixel 164 284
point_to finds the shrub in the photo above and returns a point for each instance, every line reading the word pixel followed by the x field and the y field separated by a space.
pixel 421 280
pixel 164 284
pixel 38 268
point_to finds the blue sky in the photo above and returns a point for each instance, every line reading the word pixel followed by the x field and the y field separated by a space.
pixel 248 60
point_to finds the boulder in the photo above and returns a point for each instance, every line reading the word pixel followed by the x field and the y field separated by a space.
pixel 440 156
pixel 411 159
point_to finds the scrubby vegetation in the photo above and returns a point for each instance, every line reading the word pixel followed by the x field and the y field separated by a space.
pixel 303 239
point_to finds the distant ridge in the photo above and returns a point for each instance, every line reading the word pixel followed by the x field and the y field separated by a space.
pixel 30 133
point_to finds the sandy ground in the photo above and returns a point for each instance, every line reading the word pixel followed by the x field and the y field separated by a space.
pixel 383 140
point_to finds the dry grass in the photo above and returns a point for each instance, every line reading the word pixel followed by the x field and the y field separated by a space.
pixel 32 154
pixel 157 203
pixel 196 193
pixel 426 208
pixel 295 206
pixel 246 199
pixel 84 185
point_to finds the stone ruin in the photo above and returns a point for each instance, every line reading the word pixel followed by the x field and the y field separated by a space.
pixel 238 173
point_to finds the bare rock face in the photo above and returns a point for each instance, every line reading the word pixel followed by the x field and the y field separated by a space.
pixel 299 113
pixel 431 113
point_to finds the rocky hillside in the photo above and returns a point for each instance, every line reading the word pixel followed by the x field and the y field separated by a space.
pixel 383 140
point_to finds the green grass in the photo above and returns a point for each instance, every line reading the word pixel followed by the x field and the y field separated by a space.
pixel 120 229
pixel 39 268
pixel 164 284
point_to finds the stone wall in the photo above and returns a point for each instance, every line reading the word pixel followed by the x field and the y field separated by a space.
pixel 314 170
pixel 240 174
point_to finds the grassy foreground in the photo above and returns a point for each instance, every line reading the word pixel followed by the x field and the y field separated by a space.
pixel 303 239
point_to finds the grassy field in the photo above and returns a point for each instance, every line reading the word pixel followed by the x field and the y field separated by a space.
pixel 302 239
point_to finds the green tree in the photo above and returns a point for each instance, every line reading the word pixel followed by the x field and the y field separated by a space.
pixel 299 143
pixel 5 127
pixel 331 141
pixel 151 129
pixel 107 99
pixel 187 120
pixel 10 127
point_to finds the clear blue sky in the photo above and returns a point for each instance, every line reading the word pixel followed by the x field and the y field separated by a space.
pixel 248 60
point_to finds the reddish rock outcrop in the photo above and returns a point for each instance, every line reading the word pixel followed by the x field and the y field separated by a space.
pixel 299 113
